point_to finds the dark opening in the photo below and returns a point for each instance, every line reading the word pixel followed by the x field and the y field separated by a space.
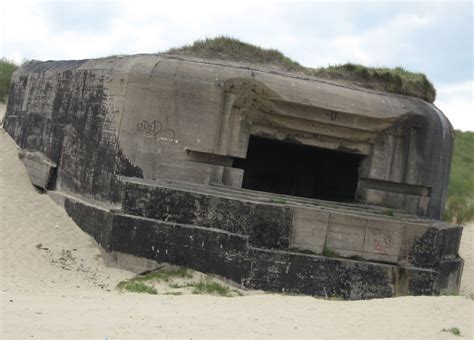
pixel 299 170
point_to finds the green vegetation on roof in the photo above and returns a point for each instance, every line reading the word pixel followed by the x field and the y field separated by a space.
pixel 232 49
pixel 460 204
pixel 7 68
pixel 395 80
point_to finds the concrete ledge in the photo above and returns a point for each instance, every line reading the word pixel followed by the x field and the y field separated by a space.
pixel 277 224
pixel 266 225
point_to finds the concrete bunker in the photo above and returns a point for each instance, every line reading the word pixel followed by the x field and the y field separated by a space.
pixel 295 169
pixel 244 171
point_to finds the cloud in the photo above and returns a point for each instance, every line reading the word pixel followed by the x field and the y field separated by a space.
pixel 456 101
pixel 432 38
pixel 383 44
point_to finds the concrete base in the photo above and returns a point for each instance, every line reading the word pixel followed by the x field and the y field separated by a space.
pixel 232 248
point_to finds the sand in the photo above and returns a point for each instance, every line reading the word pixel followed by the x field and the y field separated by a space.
pixel 54 284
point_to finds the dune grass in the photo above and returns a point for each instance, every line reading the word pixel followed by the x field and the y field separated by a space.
pixel 460 204
pixel 211 288
pixel 395 80
pixel 135 286
pixel 145 283
pixel 207 287
pixel 138 284
pixel 233 49
pixel 7 67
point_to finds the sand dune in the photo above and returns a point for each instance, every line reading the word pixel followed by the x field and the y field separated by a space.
pixel 54 284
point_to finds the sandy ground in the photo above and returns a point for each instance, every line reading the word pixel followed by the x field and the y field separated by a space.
pixel 53 284
pixel 3 109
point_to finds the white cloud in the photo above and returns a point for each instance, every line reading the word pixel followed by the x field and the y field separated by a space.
pixel 456 102
pixel 327 36
pixel 148 28
pixel 381 45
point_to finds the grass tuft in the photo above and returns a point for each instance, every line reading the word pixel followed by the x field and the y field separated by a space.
pixel 328 252
pixel 452 330
pixel 388 212
pixel 136 287
pixel 210 287
pixel 395 80
pixel 137 284
pixel 204 286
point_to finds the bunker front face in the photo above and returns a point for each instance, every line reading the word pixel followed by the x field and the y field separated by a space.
pixel 275 180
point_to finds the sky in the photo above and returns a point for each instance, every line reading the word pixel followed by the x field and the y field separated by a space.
pixel 435 38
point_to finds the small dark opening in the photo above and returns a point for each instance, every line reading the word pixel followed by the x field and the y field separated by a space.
pixel 299 170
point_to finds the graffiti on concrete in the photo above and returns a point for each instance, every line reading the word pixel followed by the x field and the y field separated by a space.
pixel 383 243
pixel 154 129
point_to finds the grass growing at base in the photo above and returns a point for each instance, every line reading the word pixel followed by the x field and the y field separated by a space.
pixel 7 67
pixel 207 286
pixel 204 286
pixel 460 203
pixel 136 287
pixel 395 80
pixel 137 284
pixel 328 252
pixel 388 212
pixel 210 287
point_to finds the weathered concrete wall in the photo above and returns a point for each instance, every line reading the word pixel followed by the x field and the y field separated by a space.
pixel 157 116
pixel 140 151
